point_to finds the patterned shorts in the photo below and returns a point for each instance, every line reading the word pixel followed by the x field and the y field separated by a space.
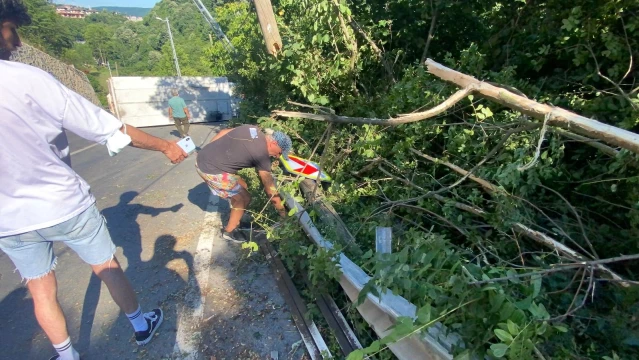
pixel 224 185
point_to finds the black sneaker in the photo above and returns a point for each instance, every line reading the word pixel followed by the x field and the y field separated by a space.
pixel 235 236
pixel 153 319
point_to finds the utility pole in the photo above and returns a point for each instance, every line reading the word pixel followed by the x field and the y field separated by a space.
pixel 175 58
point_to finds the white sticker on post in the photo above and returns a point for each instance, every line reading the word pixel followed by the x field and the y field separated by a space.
pixel 253 132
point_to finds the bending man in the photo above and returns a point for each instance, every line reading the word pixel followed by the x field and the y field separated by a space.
pixel 43 200
pixel 232 150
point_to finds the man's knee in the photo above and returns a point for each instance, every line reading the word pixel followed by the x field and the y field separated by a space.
pixel 43 288
pixel 241 199
pixel 246 197
pixel 110 264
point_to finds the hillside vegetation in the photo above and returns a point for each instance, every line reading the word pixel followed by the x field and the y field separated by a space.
pixel 132 11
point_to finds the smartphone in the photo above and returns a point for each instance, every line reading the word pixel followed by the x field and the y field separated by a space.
pixel 187 145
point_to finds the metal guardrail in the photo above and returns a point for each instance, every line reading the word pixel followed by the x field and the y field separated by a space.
pixel 382 312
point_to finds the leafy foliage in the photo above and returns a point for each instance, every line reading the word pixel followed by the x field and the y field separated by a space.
pixel 573 55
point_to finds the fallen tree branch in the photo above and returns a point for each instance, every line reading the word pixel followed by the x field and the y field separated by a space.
pixel 594 143
pixel 323 109
pixel 519 227
pixel 574 211
pixel 399 120
pixel 490 154
pixel 461 206
pixel 485 184
pixel 558 117
pixel 368 167
pixel 461 231
pixel 563 267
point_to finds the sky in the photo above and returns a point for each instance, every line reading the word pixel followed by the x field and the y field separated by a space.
pixel 123 3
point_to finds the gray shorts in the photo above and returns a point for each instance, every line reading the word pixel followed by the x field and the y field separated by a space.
pixel 86 234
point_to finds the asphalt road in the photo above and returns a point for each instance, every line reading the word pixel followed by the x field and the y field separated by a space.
pixel 166 227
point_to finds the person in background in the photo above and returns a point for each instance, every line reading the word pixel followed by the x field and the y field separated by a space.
pixel 235 149
pixel 179 113
pixel 42 200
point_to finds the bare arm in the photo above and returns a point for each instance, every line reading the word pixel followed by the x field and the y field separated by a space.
pixel 271 191
pixel 142 140
pixel 170 113
pixel 188 114
pixel 220 134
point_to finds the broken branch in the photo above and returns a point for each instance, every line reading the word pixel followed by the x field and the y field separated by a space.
pixel 558 117
pixel 402 119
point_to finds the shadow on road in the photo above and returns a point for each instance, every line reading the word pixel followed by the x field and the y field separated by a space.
pixel 199 195
pixel 16 312
pixel 125 233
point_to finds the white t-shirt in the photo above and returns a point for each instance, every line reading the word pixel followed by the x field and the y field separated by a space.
pixel 38 188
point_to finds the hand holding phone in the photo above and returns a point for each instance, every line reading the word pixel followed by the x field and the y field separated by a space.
pixel 187 145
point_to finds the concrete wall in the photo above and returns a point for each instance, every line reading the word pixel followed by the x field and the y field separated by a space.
pixel 142 101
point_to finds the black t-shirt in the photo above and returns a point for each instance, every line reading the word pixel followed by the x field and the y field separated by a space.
pixel 241 148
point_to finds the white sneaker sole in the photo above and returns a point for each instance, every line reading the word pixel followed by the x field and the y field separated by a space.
pixel 147 340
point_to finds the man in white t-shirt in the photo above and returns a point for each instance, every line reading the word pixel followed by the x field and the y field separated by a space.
pixel 43 200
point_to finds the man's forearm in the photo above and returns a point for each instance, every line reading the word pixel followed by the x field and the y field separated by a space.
pixel 271 191
pixel 188 114
pixel 142 140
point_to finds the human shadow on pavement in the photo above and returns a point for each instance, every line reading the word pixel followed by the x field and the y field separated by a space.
pixel 199 195
pixel 168 281
pixel 125 232
pixel 21 324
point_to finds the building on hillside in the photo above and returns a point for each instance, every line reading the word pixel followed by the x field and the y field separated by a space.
pixel 134 18
pixel 74 12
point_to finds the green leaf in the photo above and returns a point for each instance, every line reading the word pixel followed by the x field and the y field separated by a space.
pixel 423 315
pixel 470 97
pixel 464 355
pixel 499 350
pixel 356 355
pixel 292 212
pixel 542 328
pixel 524 304
pixel 486 111
pixel 561 328
pixel 373 347
pixel 536 283
pixel 252 245
pixel 496 300
pixel 506 311
pixel 503 335
pixel 513 328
